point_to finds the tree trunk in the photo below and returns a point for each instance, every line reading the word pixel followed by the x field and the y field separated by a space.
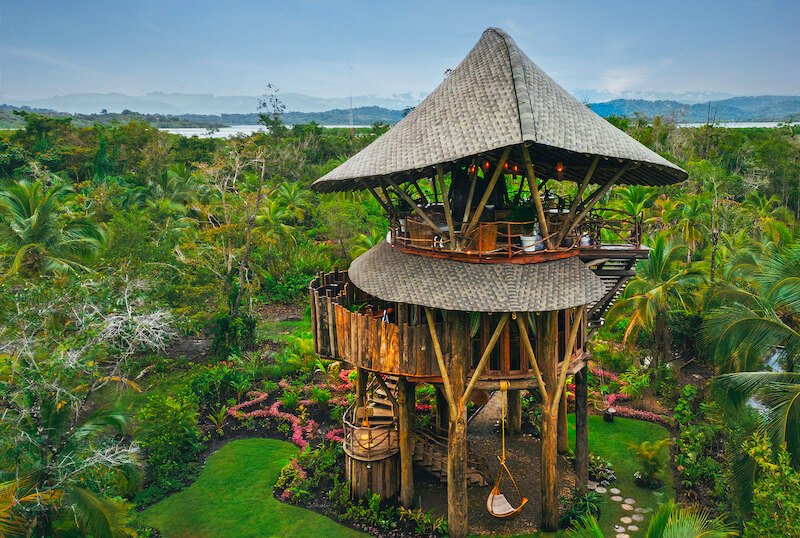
pixel 457 431
pixel 548 364
pixel 514 410
pixel 406 404
pixel 582 428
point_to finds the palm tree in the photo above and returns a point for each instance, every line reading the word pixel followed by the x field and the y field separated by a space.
pixel 691 218
pixel 755 335
pixel 669 521
pixel 365 242
pixel 662 282
pixel 295 199
pixel 633 199
pixel 769 217
pixel 36 236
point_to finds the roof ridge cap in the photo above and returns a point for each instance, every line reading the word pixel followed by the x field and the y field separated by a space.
pixel 527 124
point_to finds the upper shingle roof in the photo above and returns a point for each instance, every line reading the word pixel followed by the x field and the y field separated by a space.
pixel 497 97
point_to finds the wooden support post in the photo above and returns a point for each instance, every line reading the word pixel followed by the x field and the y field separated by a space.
pixel 361 387
pixel 489 188
pixel 595 197
pixel 424 216
pixel 563 431
pixel 582 428
pixel 578 197
pixel 473 179
pixel 448 215
pixel 537 201
pixel 514 410
pixel 457 502
pixel 406 406
pixel 548 362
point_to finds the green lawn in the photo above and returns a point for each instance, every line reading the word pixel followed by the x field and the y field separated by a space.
pixel 233 498
pixel 610 441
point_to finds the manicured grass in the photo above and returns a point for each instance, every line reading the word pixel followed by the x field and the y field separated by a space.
pixel 233 498
pixel 610 441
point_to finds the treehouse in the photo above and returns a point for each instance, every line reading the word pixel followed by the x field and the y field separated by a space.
pixel 497 267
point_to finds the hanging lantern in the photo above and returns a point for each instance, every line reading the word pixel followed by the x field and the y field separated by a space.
pixel 516 169
pixel 486 165
pixel 560 171
pixel 472 169
pixel 505 166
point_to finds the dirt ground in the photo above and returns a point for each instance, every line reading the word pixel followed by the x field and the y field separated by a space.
pixel 523 455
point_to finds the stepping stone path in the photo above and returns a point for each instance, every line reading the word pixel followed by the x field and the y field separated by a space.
pixel 637 517
pixel 591 484
pixel 600 489
pixel 626 520
pixel 616 498
pixel 627 507
pixel 630 501
pixel 614 491
pixel 623 535
pixel 633 528
pixel 639 510
pixel 618 528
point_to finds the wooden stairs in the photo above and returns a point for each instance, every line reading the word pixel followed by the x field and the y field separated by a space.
pixel 615 270
pixel 430 448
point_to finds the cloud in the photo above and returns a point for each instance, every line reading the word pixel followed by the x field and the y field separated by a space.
pixel 47 59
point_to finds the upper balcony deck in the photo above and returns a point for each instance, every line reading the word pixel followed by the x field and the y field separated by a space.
pixel 500 238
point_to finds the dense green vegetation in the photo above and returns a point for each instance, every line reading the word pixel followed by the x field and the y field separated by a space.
pixel 140 274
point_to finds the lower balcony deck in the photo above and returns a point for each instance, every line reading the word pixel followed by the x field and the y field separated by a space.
pixel 393 338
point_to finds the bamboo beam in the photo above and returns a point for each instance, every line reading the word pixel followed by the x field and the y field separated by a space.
pixel 526 343
pixel 419 190
pixel 448 215
pixel 473 179
pixel 485 356
pixel 385 205
pixel 574 207
pixel 596 195
pixel 544 229
pixel 485 198
pixel 404 195
pixel 562 377
pixel 389 394
pixel 448 391
pixel 582 428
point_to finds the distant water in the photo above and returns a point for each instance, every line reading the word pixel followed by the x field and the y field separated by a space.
pixel 735 124
pixel 227 132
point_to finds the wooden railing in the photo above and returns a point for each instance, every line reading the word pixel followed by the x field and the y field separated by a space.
pixel 507 240
pixel 368 442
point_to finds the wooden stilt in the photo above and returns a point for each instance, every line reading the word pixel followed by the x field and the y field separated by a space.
pixel 489 189
pixel 537 201
pixel 457 502
pixel 549 361
pixel 514 410
pixel 581 428
pixel 406 408
pixel 361 386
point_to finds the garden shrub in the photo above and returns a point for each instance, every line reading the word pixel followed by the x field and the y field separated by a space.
pixel 634 382
pixel 776 495
pixel 651 462
pixel 600 470
pixel 170 437
pixel 699 426
pixel 577 506
pixel 290 399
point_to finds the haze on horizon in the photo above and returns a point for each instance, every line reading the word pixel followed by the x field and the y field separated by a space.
pixel 332 50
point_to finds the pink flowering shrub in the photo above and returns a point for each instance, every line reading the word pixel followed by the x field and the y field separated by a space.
pixel 300 432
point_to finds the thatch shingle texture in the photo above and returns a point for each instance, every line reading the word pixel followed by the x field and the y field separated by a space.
pixel 392 275
pixel 498 97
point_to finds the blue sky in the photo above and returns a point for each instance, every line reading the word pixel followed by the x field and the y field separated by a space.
pixel 383 47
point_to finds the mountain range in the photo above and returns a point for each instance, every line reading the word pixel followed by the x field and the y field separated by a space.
pixel 735 109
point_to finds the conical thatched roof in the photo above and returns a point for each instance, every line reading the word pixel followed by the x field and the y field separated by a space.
pixel 497 97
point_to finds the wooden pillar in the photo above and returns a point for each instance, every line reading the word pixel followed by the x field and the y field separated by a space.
pixel 549 362
pixel 582 428
pixel 514 410
pixel 457 508
pixel 563 432
pixel 406 400
pixel 442 411
pixel 361 386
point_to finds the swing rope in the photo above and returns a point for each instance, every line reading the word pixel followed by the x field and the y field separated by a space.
pixel 496 503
